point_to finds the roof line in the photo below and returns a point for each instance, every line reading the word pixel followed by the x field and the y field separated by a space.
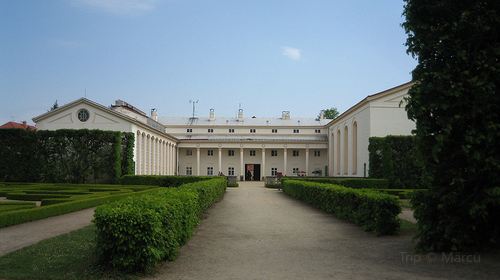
pixel 370 98
pixel 104 108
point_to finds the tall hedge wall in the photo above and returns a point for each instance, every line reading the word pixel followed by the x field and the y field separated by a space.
pixel 396 158
pixel 74 156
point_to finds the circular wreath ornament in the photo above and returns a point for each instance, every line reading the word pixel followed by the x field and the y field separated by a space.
pixel 83 115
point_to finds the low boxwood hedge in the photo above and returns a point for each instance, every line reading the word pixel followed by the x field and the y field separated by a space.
pixel 162 181
pixel 372 210
pixel 358 183
pixel 137 233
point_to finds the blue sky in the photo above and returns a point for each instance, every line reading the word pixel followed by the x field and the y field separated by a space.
pixel 268 55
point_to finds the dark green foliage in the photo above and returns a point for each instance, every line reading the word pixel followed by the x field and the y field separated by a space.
pixel 371 209
pixel 455 102
pixel 162 181
pixel 357 183
pixel 397 159
pixel 65 155
pixel 137 233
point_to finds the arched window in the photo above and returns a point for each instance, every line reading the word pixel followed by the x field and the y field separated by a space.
pixel 338 152
pixel 354 148
pixel 148 155
pixel 138 153
pixel 346 151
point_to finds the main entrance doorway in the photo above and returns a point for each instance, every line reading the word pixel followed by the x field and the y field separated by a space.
pixel 252 172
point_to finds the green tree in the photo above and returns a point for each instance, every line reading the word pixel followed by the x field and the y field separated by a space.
pixel 455 102
pixel 331 113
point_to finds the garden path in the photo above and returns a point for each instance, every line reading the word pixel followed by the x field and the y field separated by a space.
pixel 259 233
pixel 18 236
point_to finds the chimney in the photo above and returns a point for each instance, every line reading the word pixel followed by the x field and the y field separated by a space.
pixel 24 122
pixel 322 115
pixel 240 114
pixel 154 115
pixel 211 116
pixel 285 115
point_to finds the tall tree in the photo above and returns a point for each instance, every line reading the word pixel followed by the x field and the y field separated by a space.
pixel 330 113
pixel 456 105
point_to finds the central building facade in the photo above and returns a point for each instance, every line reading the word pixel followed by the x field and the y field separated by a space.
pixel 250 148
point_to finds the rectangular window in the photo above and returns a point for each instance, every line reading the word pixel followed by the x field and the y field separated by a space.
pixel 252 153
pixel 231 130
pixel 274 130
pixel 274 171
pixel 295 170
pixel 210 153
pixel 230 171
pixel 230 153
pixel 189 130
pixel 210 130
pixel 252 130
pixel 296 131
pixel 317 130
pixel 189 152
pixel 295 153
pixel 274 153
pixel 189 170
pixel 317 153
pixel 210 171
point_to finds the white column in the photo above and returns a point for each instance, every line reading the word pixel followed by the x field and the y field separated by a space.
pixel 198 161
pixel 148 156
pixel 153 157
pixel 167 156
pixel 263 171
pixel 170 159
pixel 172 165
pixel 284 161
pixel 138 155
pixel 330 149
pixel 175 154
pixel 220 160
pixel 143 154
pixel 307 161
pixel 162 158
pixel 242 169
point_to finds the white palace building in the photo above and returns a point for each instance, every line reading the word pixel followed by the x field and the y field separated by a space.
pixel 248 148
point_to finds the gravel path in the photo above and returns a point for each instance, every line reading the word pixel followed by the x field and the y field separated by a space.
pixel 18 236
pixel 259 233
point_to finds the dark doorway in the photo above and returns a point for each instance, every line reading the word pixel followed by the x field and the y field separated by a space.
pixel 252 172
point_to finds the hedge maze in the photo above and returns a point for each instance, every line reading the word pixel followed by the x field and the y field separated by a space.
pixel 56 199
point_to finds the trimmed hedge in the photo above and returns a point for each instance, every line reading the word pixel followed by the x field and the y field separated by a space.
pixel 370 209
pixel 137 233
pixel 65 155
pixel 162 181
pixel 357 183
pixel 26 215
pixel 397 159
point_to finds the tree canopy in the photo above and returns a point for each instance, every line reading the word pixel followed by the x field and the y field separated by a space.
pixel 330 113
pixel 455 102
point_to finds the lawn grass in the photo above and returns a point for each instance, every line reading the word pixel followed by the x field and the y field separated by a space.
pixel 68 256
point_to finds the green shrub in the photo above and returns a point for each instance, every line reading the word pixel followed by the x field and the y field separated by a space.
pixel 33 197
pixel 348 182
pixel 396 158
pixel 372 210
pixel 137 233
pixel 65 155
pixel 162 181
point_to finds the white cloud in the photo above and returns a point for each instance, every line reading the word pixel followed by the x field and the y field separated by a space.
pixel 121 7
pixel 292 53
